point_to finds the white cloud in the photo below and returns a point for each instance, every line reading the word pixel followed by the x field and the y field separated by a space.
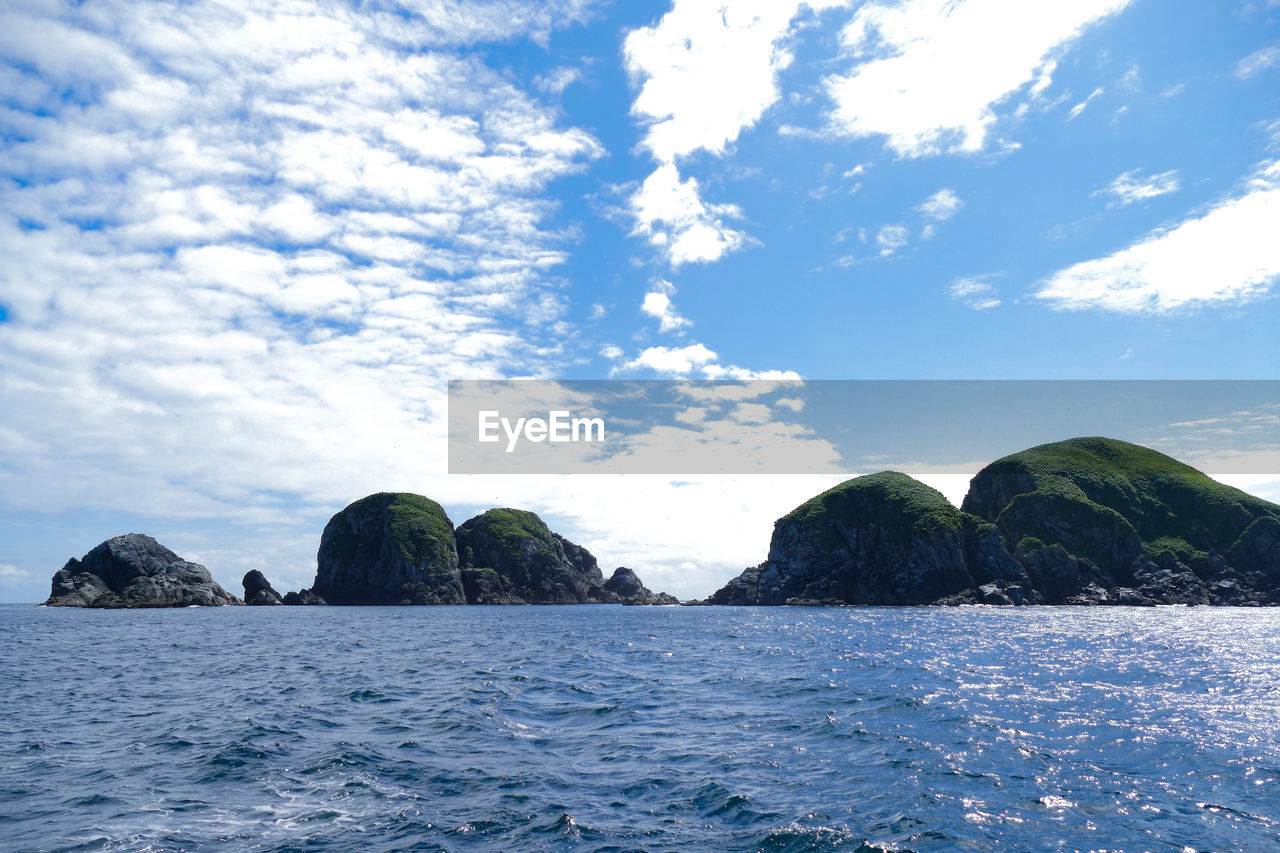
pixel 10 573
pixel 705 73
pixel 930 74
pixel 657 304
pixel 1083 105
pixel 693 361
pixel 242 261
pixel 672 361
pixel 891 238
pixel 1131 187
pixel 556 80
pixel 1258 62
pixel 941 206
pixel 1228 254
pixel 977 293
pixel 611 352
pixel 670 213
pixel 709 71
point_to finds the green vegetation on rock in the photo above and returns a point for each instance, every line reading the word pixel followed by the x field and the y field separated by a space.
pixel 1170 505
pixel 895 503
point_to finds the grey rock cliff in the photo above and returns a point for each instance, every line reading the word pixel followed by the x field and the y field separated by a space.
pixel 135 571
pixel 258 591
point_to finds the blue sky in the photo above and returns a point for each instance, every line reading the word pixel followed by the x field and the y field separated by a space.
pixel 247 244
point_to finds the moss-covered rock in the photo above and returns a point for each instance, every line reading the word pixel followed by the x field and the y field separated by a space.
pixel 1126 517
pixel 530 563
pixel 880 539
pixel 389 548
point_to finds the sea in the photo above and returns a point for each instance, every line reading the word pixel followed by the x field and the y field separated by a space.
pixel 608 728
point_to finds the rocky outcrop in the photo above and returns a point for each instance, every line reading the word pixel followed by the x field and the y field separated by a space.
pixel 1085 521
pixel 626 585
pixel 398 548
pixel 258 591
pixel 511 557
pixel 1101 521
pixel 388 548
pixel 881 539
pixel 303 598
pixel 135 571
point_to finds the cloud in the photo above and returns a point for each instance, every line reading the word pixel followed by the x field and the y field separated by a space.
pixel 673 217
pixel 705 73
pixel 708 71
pixel 1083 105
pixel 246 244
pixel 977 293
pixel 1131 186
pixel 891 238
pixel 10 573
pixel 941 206
pixel 693 361
pixel 1258 62
pixel 555 81
pixel 1226 255
pixel 657 304
pixel 915 80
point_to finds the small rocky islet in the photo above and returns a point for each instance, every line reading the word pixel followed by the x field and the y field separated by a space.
pixel 1086 521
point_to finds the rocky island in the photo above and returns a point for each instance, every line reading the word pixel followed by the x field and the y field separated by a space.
pixel 401 548
pixel 1083 521
pixel 135 571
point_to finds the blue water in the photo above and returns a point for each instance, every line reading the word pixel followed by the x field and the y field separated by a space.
pixel 638 729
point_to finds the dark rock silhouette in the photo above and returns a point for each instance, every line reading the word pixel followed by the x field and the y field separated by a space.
pixel 135 571
pixel 258 591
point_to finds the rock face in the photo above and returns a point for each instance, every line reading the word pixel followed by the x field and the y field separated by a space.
pixel 403 549
pixel 1084 521
pixel 511 557
pixel 258 591
pixel 389 548
pixel 135 571
pixel 626 585
pixel 1096 520
pixel 880 539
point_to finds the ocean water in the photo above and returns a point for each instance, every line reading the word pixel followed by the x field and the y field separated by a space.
pixel 639 729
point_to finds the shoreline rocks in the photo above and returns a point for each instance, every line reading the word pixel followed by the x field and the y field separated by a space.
pixel 135 571
pixel 1088 521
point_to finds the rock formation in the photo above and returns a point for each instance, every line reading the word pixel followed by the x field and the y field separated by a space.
pixel 135 571
pixel 389 548
pixel 1084 521
pixel 258 591
pixel 398 548
pixel 626 585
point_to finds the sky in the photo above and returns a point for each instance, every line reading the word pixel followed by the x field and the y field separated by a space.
pixel 246 245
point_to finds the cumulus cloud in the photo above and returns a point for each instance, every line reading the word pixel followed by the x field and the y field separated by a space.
pixel 978 293
pixel 1228 254
pixel 941 206
pixel 709 71
pixel 891 238
pixel 693 361
pixel 1131 186
pixel 671 214
pixel 657 304
pixel 705 73
pixel 915 79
